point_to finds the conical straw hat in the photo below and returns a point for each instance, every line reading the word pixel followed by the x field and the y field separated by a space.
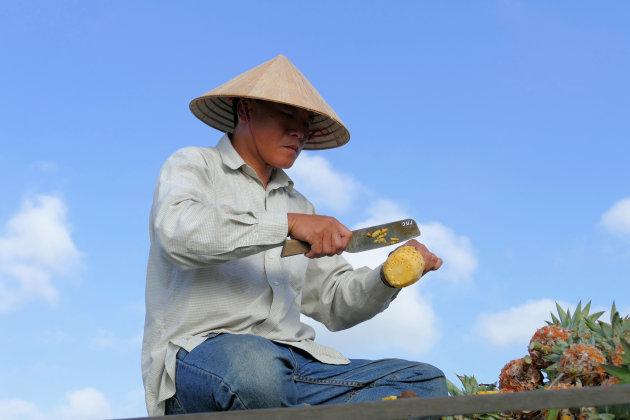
pixel 276 80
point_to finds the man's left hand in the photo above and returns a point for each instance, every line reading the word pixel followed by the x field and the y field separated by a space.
pixel 431 261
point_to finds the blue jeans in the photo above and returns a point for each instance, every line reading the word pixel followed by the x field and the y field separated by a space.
pixel 235 372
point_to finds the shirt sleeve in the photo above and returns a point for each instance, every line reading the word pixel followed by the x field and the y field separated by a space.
pixel 193 228
pixel 339 296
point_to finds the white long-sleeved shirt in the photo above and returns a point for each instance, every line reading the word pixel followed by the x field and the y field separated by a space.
pixel 215 266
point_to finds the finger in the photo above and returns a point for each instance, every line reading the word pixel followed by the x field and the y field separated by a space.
pixel 342 238
pixel 343 245
pixel 345 232
pixel 340 243
pixel 434 263
pixel 311 253
pixel 434 260
pixel 346 236
pixel 316 248
pixel 336 244
pixel 327 248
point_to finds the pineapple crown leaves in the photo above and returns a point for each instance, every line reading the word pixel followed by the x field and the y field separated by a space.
pixel 578 325
pixel 470 386
pixel 453 391
pixel 611 330
pixel 619 327
pixel 609 335
pixel 580 316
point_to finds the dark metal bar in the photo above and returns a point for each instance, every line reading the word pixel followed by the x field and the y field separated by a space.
pixel 427 407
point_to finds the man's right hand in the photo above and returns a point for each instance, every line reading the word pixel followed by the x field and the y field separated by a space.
pixel 326 235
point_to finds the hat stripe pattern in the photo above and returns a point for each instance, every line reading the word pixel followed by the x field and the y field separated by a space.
pixel 277 80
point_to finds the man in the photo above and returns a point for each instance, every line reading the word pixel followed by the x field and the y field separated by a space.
pixel 223 328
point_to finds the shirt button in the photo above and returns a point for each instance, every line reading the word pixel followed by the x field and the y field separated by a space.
pixel 275 283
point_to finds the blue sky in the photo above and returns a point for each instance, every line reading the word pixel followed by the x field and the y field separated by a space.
pixel 500 126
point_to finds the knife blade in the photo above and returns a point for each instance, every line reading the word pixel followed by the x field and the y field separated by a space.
pixel 364 239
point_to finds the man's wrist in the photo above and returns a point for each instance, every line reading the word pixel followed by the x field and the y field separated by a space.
pixel 384 279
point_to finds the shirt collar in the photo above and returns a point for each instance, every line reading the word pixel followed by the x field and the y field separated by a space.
pixel 234 161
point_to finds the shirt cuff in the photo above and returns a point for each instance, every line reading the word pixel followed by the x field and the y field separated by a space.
pixel 381 291
pixel 273 226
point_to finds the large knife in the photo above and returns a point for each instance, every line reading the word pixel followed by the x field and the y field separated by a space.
pixel 364 239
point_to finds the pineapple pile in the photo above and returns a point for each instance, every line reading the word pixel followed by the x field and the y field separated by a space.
pixel 571 351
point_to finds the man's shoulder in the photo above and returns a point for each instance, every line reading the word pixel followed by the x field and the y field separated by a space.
pixel 198 154
pixel 196 151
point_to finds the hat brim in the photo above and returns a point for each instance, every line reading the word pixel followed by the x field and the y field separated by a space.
pixel 216 111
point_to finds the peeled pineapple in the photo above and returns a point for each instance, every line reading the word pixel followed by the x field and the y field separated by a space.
pixel 403 267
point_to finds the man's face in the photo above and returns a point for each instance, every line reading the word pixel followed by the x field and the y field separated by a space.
pixel 279 132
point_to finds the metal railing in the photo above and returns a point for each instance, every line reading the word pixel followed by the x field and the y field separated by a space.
pixel 405 408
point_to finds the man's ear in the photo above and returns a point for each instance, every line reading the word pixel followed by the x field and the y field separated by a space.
pixel 242 109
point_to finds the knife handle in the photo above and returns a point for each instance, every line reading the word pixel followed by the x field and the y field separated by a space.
pixel 294 247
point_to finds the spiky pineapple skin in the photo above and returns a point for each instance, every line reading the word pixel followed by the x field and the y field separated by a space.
pixel 582 362
pixel 520 375
pixel 543 342
pixel 616 355
pixel 584 352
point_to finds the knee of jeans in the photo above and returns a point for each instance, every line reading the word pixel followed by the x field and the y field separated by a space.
pixel 247 370
pixel 434 382
pixel 431 371
pixel 265 389
pixel 261 381
pixel 428 379
pixel 417 371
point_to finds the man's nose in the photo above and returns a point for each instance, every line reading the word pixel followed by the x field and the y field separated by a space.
pixel 299 132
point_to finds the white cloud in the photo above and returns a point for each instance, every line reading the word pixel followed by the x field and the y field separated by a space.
pixel 132 405
pixel 406 329
pixel 455 250
pixel 371 259
pixel 382 211
pixel 515 325
pixel 35 247
pixel 617 219
pixel 83 404
pixel 326 188
pixel 19 409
